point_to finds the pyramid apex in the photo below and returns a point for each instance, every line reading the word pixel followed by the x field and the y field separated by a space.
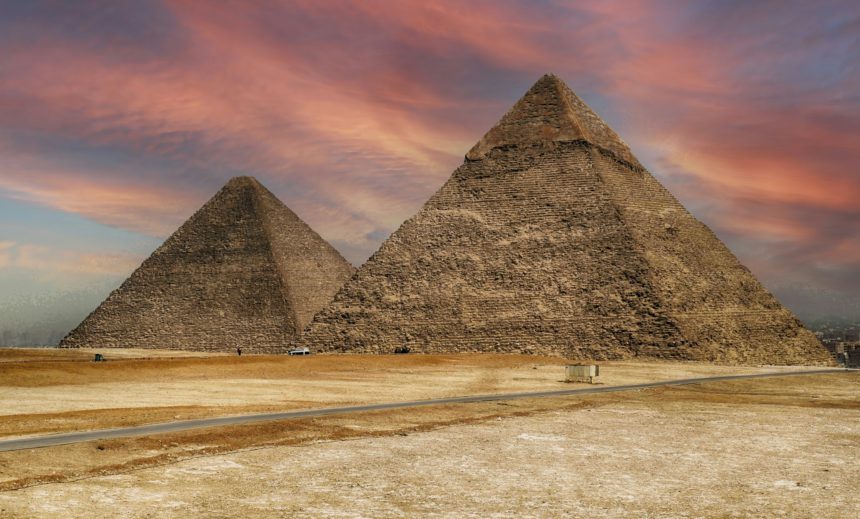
pixel 549 76
pixel 242 180
pixel 244 183
pixel 550 112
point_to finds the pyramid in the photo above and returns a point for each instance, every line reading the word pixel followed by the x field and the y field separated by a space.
pixel 552 238
pixel 244 271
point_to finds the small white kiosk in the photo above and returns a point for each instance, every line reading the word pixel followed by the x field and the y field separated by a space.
pixel 581 373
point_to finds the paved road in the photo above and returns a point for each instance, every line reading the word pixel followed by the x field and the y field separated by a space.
pixel 184 425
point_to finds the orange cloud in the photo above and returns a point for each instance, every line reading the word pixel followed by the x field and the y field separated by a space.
pixel 355 112
pixel 249 112
pixel 6 253
pixel 60 263
pixel 129 204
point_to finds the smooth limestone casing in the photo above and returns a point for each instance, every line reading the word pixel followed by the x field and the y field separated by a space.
pixel 244 271
pixel 551 238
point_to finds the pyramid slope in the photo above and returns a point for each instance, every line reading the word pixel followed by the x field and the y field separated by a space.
pixel 559 247
pixel 244 271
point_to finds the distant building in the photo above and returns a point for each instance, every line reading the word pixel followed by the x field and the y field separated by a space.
pixel 852 358
pixel 837 347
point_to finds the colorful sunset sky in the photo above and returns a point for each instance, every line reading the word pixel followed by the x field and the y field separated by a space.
pixel 119 118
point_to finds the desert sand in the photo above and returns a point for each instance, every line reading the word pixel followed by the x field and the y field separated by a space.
pixel 781 447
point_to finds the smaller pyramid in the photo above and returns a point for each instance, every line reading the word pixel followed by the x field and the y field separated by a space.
pixel 243 271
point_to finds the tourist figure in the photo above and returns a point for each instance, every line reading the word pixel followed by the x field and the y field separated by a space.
pixel 239 351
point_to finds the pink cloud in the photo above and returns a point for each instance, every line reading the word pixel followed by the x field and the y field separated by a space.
pixel 54 262
pixel 123 202
pixel 354 113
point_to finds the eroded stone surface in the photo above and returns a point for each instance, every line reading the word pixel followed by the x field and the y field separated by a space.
pixel 550 112
pixel 243 271
pixel 552 239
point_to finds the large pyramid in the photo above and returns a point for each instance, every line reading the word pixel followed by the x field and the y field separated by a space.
pixel 551 238
pixel 242 271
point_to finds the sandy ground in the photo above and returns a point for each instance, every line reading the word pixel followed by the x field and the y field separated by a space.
pixel 40 393
pixel 769 447
pixel 80 354
pixel 755 448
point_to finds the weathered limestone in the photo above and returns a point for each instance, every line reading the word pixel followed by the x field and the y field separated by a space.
pixel 243 271
pixel 551 238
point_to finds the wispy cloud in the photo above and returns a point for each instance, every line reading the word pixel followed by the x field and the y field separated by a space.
pixel 51 261
pixel 354 113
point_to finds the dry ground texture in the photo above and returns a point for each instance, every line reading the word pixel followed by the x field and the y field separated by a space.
pixel 46 391
pixel 770 447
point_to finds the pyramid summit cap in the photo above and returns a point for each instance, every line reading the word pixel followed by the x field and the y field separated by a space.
pixel 550 112
pixel 243 180
pixel 245 183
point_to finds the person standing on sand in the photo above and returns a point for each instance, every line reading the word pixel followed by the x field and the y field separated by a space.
pixel 239 351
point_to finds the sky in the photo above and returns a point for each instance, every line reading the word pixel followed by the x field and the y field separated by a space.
pixel 119 118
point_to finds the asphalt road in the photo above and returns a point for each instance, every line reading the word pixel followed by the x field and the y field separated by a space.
pixel 184 425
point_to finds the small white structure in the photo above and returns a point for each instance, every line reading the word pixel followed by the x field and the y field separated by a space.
pixel 581 373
